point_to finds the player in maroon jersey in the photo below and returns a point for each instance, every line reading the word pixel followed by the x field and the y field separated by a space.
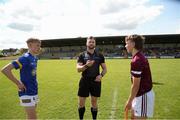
pixel 141 98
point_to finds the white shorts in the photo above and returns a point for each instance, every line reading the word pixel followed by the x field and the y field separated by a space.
pixel 143 106
pixel 28 101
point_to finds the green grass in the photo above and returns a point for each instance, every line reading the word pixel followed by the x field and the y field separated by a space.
pixel 58 85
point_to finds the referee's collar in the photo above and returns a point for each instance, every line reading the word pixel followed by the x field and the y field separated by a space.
pixel 91 53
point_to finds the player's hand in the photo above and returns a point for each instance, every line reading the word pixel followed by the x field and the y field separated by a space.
pixel 89 63
pixel 126 114
pixel 98 78
pixel 128 105
pixel 21 86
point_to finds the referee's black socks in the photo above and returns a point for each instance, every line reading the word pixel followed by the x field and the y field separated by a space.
pixel 94 113
pixel 81 112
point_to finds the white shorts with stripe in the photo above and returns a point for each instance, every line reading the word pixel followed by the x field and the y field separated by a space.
pixel 28 101
pixel 143 106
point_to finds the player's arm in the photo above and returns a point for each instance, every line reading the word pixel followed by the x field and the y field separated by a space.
pixel 80 67
pixel 134 90
pixel 7 71
pixel 104 69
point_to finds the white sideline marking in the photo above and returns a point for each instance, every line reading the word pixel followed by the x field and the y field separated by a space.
pixel 114 102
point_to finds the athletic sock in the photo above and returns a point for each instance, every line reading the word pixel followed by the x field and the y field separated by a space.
pixel 81 112
pixel 94 113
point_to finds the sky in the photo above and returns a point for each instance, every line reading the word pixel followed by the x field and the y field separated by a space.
pixel 55 19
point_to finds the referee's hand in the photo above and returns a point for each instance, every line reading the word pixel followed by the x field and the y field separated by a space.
pixel 89 63
pixel 98 78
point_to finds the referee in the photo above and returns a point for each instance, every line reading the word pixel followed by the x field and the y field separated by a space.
pixel 90 83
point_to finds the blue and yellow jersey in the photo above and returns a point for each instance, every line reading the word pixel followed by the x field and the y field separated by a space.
pixel 28 66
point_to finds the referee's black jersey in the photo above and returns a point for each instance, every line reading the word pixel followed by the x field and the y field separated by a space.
pixel 92 71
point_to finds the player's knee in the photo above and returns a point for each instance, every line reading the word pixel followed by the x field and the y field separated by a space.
pixel 94 103
pixel 81 104
pixel 31 115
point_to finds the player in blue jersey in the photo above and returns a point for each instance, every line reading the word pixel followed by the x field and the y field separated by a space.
pixel 27 85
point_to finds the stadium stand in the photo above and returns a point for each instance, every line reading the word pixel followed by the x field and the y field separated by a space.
pixel 156 46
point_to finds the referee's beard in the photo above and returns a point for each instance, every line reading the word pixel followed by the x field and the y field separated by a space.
pixel 91 47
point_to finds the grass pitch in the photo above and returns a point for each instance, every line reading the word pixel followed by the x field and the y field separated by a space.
pixel 58 85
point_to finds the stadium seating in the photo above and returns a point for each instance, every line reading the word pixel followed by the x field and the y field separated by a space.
pixel 112 51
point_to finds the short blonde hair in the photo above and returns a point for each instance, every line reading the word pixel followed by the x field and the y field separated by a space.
pixel 33 40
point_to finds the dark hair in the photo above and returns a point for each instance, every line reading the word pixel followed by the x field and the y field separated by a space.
pixel 32 40
pixel 137 39
pixel 91 37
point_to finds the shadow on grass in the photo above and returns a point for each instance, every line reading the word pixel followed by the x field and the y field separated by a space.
pixel 157 83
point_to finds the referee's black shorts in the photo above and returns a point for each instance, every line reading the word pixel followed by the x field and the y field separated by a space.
pixel 88 86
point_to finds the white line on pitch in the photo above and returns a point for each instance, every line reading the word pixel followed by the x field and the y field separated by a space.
pixel 114 102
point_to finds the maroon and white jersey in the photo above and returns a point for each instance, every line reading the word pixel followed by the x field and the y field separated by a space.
pixel 140 69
